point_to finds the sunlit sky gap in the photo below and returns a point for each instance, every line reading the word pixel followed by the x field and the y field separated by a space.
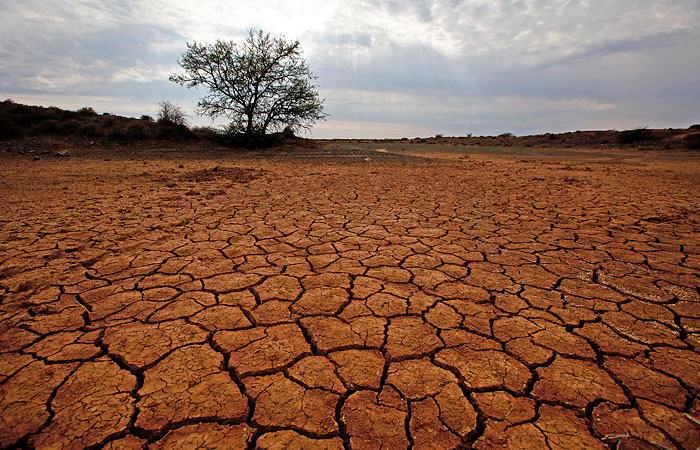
pixel 387 68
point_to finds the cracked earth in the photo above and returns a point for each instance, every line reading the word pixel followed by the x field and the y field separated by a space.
pixel 491 302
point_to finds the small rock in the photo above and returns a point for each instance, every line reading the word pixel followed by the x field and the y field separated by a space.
pixel 61 153
pixel 36 158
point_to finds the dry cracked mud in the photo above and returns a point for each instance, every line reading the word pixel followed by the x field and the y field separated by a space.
pixel 282 303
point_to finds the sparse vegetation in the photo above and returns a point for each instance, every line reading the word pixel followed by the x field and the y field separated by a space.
pixel 693 140
pixel 87 111
pixel 635 135
pixel 9 129
pixel 136 132
pixel 24 121
pixel 170 114
pixel 207 133
pixel 35 125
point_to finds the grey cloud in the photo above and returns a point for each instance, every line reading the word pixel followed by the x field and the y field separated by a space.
pixel 420 8
pixel 463 86
pixel 345 39
pixel 91 61
pixel 642 43
pixel 77 49
pixel 452 66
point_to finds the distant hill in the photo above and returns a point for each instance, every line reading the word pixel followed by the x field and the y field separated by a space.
pixel 85 127
pixel 641 138
pixel 19 121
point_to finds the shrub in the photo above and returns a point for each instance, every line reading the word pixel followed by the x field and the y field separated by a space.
pixel 56 113
pixel 173 132
pixel 146 118
pixel 438 136
pixel 68 127
pixel 169 113
pixel 87 111
pixel 232 135
pixel 693 140
pixel 635 135
pixel 505 135
pixel 116 134
pixel 692 127
pixel 288 132
pixel 47 126
pixel 208 133
pixel 136 132
pixel 9 129
pixel 89 130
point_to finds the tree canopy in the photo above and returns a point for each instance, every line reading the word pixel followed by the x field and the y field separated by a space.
pixel 262 84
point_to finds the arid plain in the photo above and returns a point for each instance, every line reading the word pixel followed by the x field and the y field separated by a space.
pixel 352 295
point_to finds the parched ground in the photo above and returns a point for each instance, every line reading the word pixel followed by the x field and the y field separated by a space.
pixel 360 301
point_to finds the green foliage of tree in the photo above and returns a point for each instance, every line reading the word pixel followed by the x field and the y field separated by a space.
pixel 262 84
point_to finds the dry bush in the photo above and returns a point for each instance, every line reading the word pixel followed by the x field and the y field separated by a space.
pixel 136 132
pixel 24 121
pixel 169 113
pixel 693 141
pixel 635 135
pixel 9 129
pixel 87 111
pixel 90 129
pixel 68 127
pixel 207 133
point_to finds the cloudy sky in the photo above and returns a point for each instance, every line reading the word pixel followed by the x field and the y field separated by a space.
pixel 387 68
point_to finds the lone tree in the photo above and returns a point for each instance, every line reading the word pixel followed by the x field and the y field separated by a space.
pixel 262 84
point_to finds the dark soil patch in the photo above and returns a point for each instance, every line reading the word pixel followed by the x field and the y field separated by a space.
pixel 234 174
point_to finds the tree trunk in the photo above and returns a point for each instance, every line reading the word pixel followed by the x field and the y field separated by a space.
pixel 249 127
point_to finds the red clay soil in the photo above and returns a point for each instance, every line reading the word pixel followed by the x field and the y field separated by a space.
pixel 293 304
